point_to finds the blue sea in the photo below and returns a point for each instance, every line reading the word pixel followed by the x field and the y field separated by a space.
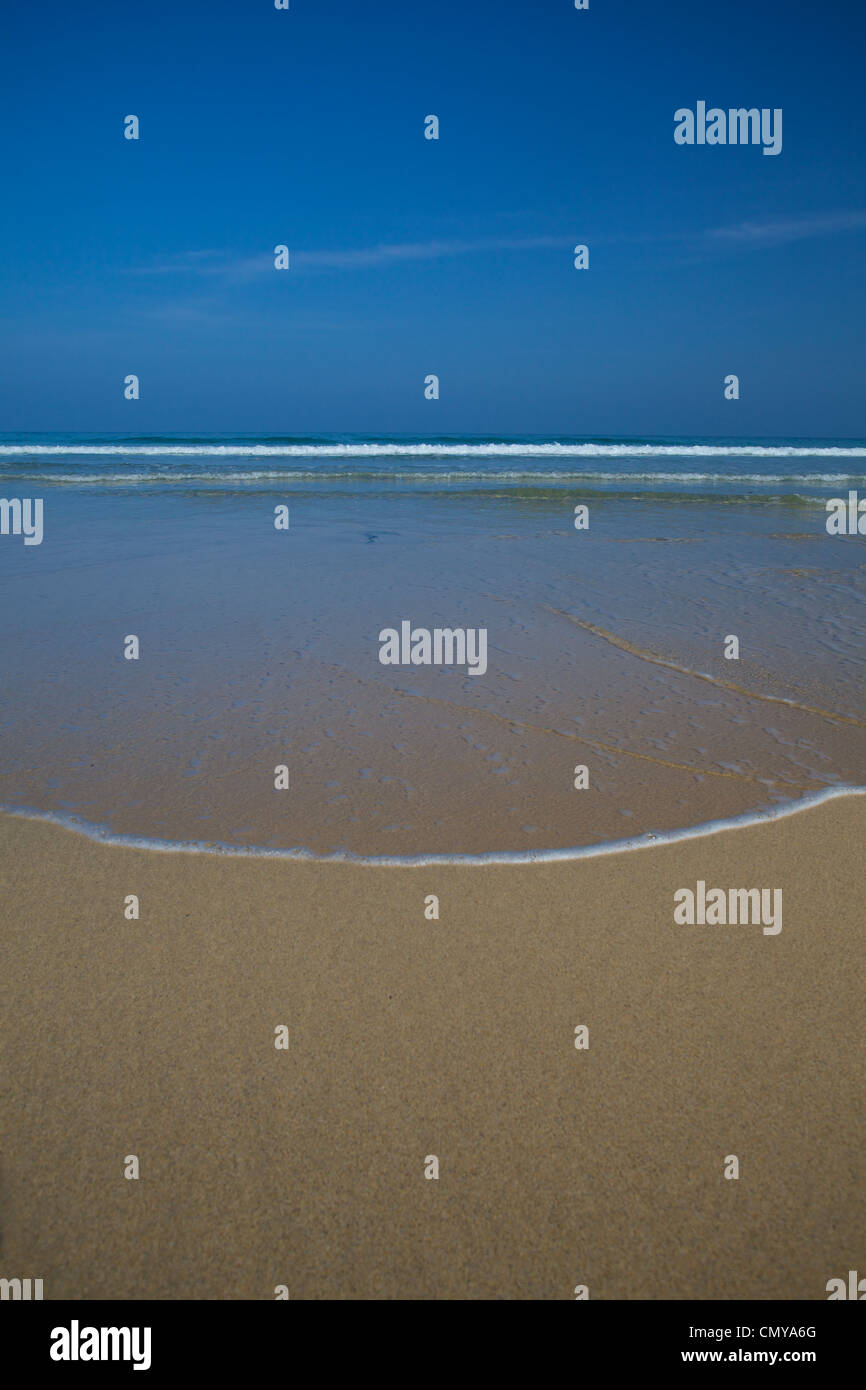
pixel 788 468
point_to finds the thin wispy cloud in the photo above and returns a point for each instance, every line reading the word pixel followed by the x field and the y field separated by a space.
pixel 227 268
pixel 202 312
pixel 361 257
pixel 776 231
pixel 220 265
pixel 224 266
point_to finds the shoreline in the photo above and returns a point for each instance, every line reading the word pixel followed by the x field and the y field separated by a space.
pixel 494 858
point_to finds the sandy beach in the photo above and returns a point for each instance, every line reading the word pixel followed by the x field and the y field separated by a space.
pixel 411 1037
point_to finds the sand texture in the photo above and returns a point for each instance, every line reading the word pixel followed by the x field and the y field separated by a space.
pixel 409 1038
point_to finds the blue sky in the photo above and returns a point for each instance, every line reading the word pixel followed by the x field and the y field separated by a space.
pixel 410 256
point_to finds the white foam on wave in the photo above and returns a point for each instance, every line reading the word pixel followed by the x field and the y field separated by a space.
pixel 424 450
pixel 283 475
pixel 495 857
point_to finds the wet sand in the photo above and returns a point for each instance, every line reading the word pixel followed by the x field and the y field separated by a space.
pixel 260 649
pixel 410 1037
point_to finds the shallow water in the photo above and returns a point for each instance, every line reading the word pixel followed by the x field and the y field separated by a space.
pixel 260 647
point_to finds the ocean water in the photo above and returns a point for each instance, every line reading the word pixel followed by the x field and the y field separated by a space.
pixel 260 647
pixel 729 467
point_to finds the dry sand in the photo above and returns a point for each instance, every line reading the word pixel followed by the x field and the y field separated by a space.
pixel 410 1038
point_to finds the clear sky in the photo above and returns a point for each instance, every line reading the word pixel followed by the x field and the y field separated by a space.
pixel 409 256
